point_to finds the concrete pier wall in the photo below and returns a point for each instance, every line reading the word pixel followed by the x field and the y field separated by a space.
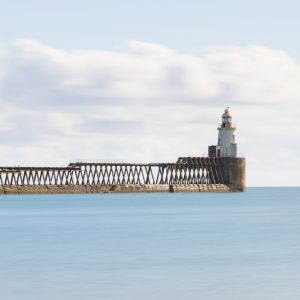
pixel 234 170
pixel 128 188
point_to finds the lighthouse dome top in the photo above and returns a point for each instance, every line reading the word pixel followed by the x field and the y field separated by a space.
pixel 226 113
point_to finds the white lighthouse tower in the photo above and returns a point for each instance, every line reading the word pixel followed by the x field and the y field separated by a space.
pixel 226 140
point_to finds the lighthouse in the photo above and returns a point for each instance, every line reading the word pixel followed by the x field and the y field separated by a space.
pixel 227 146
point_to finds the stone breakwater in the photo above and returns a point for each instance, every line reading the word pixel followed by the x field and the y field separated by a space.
pixel 120 188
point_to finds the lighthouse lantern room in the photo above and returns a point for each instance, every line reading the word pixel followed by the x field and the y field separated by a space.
pixel 227 146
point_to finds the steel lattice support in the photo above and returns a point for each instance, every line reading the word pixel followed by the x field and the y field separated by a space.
pixel 195 170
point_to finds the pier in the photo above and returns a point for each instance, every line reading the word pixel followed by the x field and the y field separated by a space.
pixel 221 171
pixel 187 174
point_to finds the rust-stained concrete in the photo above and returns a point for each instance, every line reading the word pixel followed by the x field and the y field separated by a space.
pixel 130 188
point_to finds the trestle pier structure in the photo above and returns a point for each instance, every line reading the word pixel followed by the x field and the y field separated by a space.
pixel 188 174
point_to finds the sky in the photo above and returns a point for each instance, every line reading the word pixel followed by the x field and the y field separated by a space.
pixel 147 81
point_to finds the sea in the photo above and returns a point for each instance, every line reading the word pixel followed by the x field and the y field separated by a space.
pixel 156 246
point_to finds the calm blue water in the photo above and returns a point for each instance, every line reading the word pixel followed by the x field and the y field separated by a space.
pixel 151 246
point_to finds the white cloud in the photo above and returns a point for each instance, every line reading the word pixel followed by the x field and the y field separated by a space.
pixel 147 102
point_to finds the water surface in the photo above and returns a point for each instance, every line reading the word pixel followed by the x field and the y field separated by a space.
pixel 215 246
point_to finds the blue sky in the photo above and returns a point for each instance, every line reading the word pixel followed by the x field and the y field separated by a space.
pixel 183 25
pixel 148 80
